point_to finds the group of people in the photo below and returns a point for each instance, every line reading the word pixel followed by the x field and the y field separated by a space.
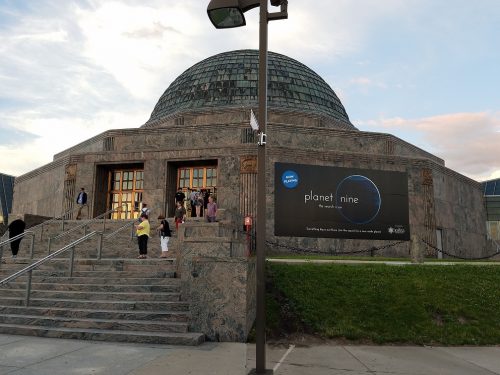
pixel 143 230
pixel 202 203
pixel 198 207
pixel 143 227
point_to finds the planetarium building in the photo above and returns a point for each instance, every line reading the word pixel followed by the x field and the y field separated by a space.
pixel 330 187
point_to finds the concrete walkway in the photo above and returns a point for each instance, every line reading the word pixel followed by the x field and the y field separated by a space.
pixel 21 355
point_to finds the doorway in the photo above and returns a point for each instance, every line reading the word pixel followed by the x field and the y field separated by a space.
pixel 190 176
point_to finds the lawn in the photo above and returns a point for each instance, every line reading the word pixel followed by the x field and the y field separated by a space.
pixel 448 305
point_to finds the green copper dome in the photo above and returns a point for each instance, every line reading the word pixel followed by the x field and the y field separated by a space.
pixel 230 80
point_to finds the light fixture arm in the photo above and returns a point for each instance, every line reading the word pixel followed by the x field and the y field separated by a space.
pixel 282 14
pixel 248 4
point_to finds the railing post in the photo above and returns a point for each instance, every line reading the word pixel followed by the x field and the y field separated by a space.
pixel 28 288
pixel 71 261
pixel 99 246
pixel 62 223
pixel 104 224
pixel 132 230
pixel 41 234
pixel 85 230
pixel 48 246
pixel 32 246
pixel 1 255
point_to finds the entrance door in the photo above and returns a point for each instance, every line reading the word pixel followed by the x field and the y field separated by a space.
pixel 126 188
pixel 197 178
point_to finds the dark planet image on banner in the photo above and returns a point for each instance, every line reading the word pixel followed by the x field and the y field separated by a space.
pixel 358 199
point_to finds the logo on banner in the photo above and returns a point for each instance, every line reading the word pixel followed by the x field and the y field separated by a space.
pixel 290 179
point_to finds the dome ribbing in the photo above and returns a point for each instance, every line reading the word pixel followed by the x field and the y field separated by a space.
pixel 230 80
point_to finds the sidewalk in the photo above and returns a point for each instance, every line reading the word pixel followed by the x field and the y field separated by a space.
pixel 21 355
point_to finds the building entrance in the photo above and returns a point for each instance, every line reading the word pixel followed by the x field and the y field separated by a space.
pixel 126 188
pixel 190 176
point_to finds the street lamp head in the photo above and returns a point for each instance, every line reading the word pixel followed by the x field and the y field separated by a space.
pixel 226 14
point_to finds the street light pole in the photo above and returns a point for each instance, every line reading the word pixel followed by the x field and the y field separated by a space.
pixel 227 14
pixel 260 319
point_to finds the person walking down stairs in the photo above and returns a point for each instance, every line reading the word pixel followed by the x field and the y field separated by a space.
pixel 142 230
pixel 179 215
pixel 16 228
pixel 165 234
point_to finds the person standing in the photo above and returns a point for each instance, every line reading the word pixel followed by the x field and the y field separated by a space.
pixel 179 196
pixel 211 210
pixel 81 200
pixel 145 209
pixel 16 228
pixel 179 215
pixel 142 230
pixel 165 235
pixel 198 203
pixel 192 201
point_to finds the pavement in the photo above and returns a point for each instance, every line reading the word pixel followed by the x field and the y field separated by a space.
pixel 22 355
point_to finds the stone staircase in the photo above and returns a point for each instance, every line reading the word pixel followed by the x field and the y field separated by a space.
pixel 115 298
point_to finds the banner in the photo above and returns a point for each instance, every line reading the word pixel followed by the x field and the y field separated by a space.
pixel 334 202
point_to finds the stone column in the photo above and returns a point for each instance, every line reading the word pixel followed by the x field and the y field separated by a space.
pixel 416 250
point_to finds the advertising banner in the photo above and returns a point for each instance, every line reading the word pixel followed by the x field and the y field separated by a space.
pixel 334 202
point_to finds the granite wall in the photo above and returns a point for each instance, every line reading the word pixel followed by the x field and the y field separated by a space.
pixel 217 280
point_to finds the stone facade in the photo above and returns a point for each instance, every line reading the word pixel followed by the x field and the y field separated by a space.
pixel 439 198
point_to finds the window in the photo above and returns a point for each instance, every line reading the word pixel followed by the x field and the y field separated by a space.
pixel 197 177
pixel 125 190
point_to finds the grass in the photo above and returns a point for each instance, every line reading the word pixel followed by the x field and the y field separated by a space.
pixel 369 258
pixel 452 305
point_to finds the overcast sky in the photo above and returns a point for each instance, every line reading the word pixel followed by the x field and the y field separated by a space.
pixel 427 71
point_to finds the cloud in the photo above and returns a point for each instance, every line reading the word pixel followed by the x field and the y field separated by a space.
pixel 48 136
pixel 12 136
pixel 76 68
pixel 468 142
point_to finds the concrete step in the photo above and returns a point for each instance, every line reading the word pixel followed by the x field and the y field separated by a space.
pixel 101 324
pixel 173 316
pixel 98 304
pixel 111 275
pixel 188 338
pixel 116 298
pixel 106 288
pixel 92 296
pixel 101 280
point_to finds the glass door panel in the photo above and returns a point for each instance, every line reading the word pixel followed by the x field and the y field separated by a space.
pixel 125 191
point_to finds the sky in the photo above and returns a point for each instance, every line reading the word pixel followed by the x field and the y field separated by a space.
pixel 427 71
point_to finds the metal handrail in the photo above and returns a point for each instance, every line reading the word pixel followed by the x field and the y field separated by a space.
pixel 85 224
pixel 19 236
pixel 29 269
pixel 112 234
pixel 62 217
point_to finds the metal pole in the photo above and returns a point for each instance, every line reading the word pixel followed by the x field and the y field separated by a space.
pixel 28 288
pixel 260 343
pixel 1 254
pixel 48 246
pixel 99 246
pixel 32 246
pixel 71 261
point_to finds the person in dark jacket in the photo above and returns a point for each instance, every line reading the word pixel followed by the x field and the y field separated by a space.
pixel 16 228
pixel 81 200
